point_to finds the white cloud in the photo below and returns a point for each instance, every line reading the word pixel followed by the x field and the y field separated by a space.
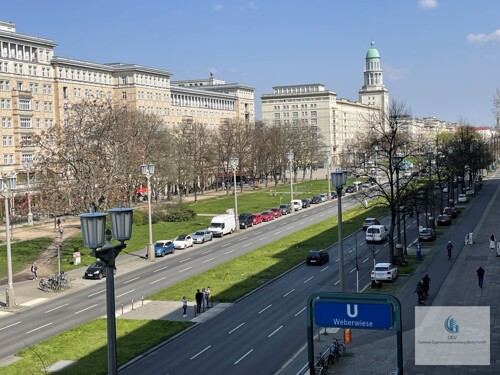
pixel 483 38
pixel 217 7
pixel 393 74
pixel 252 5
pixel 427 4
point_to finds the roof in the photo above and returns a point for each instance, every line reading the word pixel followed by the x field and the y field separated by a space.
pixel 372 52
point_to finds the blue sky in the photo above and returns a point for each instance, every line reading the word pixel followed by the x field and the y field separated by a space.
pixel 440 57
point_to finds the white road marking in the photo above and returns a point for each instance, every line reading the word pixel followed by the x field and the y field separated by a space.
pixel 336 260
pixel 263 238
pixel 248 244
pixel 264 309
pixel 130 291
pixel 129 281
pixel 185 269
pixel 230 251
pixel 241 358
pixel 351 271
pixel 55 308
pixel 286 294
pixel 376 252
pixel 206 252
pixel 276 330
pixel 300 312
pixel 309 279
pixel 184 260
pixel 278 232
pixel 366 260
pixel 235 328
pixel 36 329
pixel 208 260
pixel 290 227
pixel 204 350
pixel 160 279
pixel 10 325
pixel 85 309
pixel 99 292
pixel 160 269
pixel 324 269
pixel 243 238
pixel 225 245
pixel 337 282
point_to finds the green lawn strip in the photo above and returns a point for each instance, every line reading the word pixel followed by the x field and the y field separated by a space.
pixel 23 253
pixel 87 344
pixel 234 279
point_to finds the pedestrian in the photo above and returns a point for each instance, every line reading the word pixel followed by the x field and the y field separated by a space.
pixel 58 222
pixel 34 270
pixel 204 298
pixel 61 231
pixel 207 291
pixel 449 247
pixel 480 276
pixel 198 297
pixel 184 306
pixel 426 281
pixel 420 293
pixel 492 243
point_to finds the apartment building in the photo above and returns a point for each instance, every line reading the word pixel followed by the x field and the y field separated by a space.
pixel 339 121
pixel 37 89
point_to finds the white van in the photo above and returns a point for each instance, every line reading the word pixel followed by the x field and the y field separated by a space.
pixel 222 224
pixel 376 233
pixel 297 204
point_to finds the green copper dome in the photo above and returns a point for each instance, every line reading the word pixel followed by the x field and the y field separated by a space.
pixel 372 52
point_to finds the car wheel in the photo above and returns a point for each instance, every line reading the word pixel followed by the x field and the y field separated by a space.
pixel 173 251
pixel 162 254
pixel 203 241
pixel 100 276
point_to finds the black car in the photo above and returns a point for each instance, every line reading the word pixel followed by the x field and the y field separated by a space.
pixel 334 194
pixel 306 202
pixel 350 189
pixel 246 220
pixel 285 209
pixel 443 220
pixel 317 257
pixel 316 199
pixel 96 270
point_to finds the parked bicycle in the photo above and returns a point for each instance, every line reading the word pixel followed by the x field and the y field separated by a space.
pixel 336 350
pixel 321 365
pixel 43 285
pixel 58 282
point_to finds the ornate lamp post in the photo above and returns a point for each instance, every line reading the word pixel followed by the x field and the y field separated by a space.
pixel 234 164
pixel 339 179
pixel 431 191
pixel 396 162
pixel 97 238
pixel 328 154
pixel 7 187
pixel 27 167
pixel 148 170
pixel 289 155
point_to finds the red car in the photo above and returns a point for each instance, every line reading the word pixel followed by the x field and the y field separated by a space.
pixel 257 219
pixel 267 216
pixel 276 212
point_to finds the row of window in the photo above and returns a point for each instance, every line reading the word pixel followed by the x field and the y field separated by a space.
pixel 313 122
pixel 295 106
pixel 277 115
pixel 8 159
pixel 33 87
pixel 28 53
pixel 27 122
pixel 8 140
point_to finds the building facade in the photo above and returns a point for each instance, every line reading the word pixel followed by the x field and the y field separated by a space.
pixel 37 89
pixel 339 121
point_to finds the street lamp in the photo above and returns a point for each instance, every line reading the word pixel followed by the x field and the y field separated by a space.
pixel 431 192
pixel 27 167
pixel 234 164
pixel 7 187
pixel 328 154
pixel 148 170
pixel 289 155
pixel 339 179
pixel 396 162
pixel 97 238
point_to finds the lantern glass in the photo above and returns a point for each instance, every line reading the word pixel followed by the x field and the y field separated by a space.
pixel 121 223
pixel 93 229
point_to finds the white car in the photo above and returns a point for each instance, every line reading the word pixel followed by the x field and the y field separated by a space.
pixel 384 272
pixel 183 241
pixel 376 233
pixel 470 191
pixel 462 198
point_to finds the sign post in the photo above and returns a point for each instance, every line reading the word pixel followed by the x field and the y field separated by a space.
pixel 353 310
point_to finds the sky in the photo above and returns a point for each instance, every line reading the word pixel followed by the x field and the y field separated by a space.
pixel 441 58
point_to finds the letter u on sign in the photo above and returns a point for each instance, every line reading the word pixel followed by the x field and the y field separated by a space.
pixel 352 312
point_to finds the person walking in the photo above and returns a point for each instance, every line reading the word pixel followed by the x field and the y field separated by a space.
pixel 184 306
pixel 34 270
pixel 480 276
pixel 207 291
pixel 204 298
pixel 198 297
pixel 420 293
pixel 449 247
pixel 426 281
pixel 61 231
pixel 492 243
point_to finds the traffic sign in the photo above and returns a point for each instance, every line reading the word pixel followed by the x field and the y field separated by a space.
pixel 353 315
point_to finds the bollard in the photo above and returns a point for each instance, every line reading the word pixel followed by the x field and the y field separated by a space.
pixel 419 251
pixel 132 304
pixel 142 299
pixel 122 308
pixel 471 241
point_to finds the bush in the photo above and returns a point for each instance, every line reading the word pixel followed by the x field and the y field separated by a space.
pixel 139 218
pixel 173 213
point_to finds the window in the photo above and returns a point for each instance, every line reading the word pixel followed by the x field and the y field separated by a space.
pixel 47 106
pixel 26 140
pixel 47 89
pixel 314 114
pixel 37 106
pixel 37 123
pixel 4 67
pixel 124 80
pixel 25 104
pixel 276 116
pixel 48 122
pixel 124 95
pixel 65 92
pixel 6 122
pixel 4 85
pixel 7 140
pixel 8 159
pixel 27 159
pixel 19 86
pixel 5 104
pixel 295 115
pixel 25 122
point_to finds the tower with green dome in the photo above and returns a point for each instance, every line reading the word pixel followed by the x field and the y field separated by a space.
pixel 373 92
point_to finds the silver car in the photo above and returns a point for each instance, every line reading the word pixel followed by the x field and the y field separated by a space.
pixel 202 236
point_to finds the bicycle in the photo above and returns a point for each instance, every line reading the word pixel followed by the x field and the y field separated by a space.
pixel 337 350
pixel 43 285
pixel 321 362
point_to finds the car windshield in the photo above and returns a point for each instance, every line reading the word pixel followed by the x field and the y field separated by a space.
pixel 314 253
pixel 160 243
pixel 381 268
pixel 216 225
pixel 95 265
pixel 200 233
pixel 181 237
pixel 372 230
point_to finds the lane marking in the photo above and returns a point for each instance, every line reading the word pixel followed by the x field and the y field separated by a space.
pixel 324 269
pixel 309 279
pixel 225 245
pixel 208 260
pixel 10 325
pixel 129 281
pixel 160 279
pixel 244 238
pixel 55 308
pixel 366 260
pixel 184 260
pixel 185 269
pixel 300 312
pixel 36 329
pixel 204 350
pixel 276 330
pixel 248 244
pixel 351 271
pixel 206 252
pixel 264 309
pixel 160 269
pixel 230 251
pixel 93 294
pixel 336 260
pixel 85 309
pixel 278 232
pixel 286 294
pixel 130 291
pixel 241 358
pixel 290 227
pixel 263 238
pixel 234 329
pixel 337 282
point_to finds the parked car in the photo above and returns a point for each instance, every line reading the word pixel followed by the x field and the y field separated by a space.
pixel 350 189
pixel 96 270
pixel 323 197
pixel 317 257
pixel 384 272
pixel 202 236
pixel 306 202
pixel 334 194
pixel 267 216
pixel 245 220
pixel 285 209
pixel 445 189
pixel 426 234
pixel 183 241
pixel 222 224
pixel 163 247
pixel 366 185
pixel 297 204
pixel 462 198
pixel 257 218
pixel 451 212
pixel 370 221
pixel 316 199
pixel 470 191
pixel 443 220
pixel 276 212
pixel 376 233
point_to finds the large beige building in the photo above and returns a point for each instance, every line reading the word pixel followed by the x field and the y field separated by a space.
pixel 339 121
pixel 37 89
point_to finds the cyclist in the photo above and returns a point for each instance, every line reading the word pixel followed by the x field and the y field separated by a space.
pixel 449 247
pixel 420 293
pixel 426 280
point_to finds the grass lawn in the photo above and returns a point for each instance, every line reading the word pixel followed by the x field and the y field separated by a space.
pixel 23 254
pixel 133 338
